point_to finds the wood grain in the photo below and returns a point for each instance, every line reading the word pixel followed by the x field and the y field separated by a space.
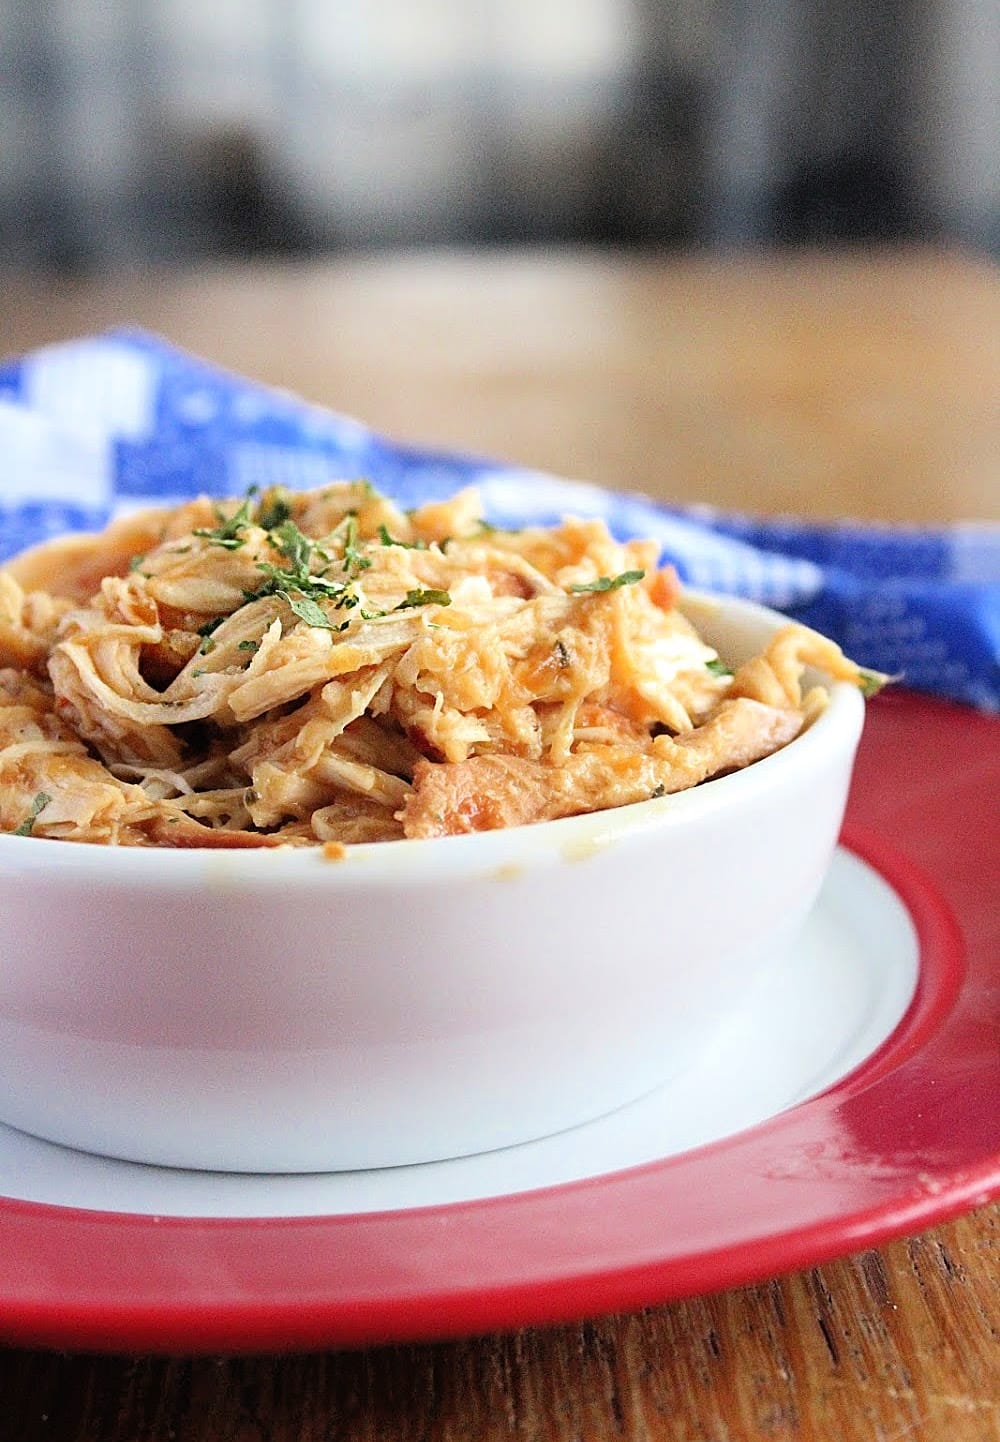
pixel 847 385
pixel 827 385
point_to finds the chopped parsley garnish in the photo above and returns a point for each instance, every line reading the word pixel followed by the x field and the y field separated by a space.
pixel 281 578
pixel 273 509
pixel 390 540
pixel 871 682
pixel 229 532
pixel 423 598
pixel 38 805
pixel 296 583
pixel 354 561
pixel 136 564
pixel 248 646
pixel 609 583
pixel 717 667
pixel 290 542
pixel 207 645
pixel 487 528
pixel 303 579
pixel 307 610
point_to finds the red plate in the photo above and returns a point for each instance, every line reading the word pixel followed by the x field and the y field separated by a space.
pixel 910 1138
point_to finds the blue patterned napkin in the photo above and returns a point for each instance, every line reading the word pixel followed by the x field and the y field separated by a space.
pixel 94 427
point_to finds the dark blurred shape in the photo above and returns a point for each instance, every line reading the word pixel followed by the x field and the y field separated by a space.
pixel 655 167
pixel 233 201
pixel 850 198
pixel 637 184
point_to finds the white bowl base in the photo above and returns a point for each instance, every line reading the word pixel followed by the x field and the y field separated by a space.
pixel 827 1005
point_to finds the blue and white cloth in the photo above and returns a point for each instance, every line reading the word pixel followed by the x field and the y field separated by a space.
pixel 92 428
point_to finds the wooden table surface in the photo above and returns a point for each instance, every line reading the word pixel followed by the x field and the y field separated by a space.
pixel 854 385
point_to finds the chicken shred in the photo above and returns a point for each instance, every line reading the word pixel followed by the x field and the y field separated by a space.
pixel 322 668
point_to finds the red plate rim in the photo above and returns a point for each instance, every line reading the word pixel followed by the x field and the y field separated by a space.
pixel 908 1139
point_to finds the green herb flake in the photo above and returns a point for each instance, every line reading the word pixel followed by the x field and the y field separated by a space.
pixel 273 509
pixel 136 565
pixel 38 805
pixel 296 582
pixel 248 646
pixel 296 548
pixel 390 540
pixel 658 790
pixel 717 667
pixel 280 580
pixel 609 583
pixel 487 528
pixel 354 560
pixel 423 598
pixel 229 532
pixel 871 683
pixel 206 646
pixel 307 610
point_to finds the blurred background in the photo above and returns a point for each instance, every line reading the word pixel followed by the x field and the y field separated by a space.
pixel 157 131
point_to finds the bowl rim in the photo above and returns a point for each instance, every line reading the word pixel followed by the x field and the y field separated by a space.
pixel 505 853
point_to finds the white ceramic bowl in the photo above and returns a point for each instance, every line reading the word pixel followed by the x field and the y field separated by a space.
pixel 419 1000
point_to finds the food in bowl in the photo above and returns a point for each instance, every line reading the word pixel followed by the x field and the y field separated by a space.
pixel 224 692
pixel 320 667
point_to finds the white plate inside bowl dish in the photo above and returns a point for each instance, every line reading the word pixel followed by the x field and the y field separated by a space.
pixel 833 997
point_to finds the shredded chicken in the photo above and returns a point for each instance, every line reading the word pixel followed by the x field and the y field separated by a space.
pixel 321 668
